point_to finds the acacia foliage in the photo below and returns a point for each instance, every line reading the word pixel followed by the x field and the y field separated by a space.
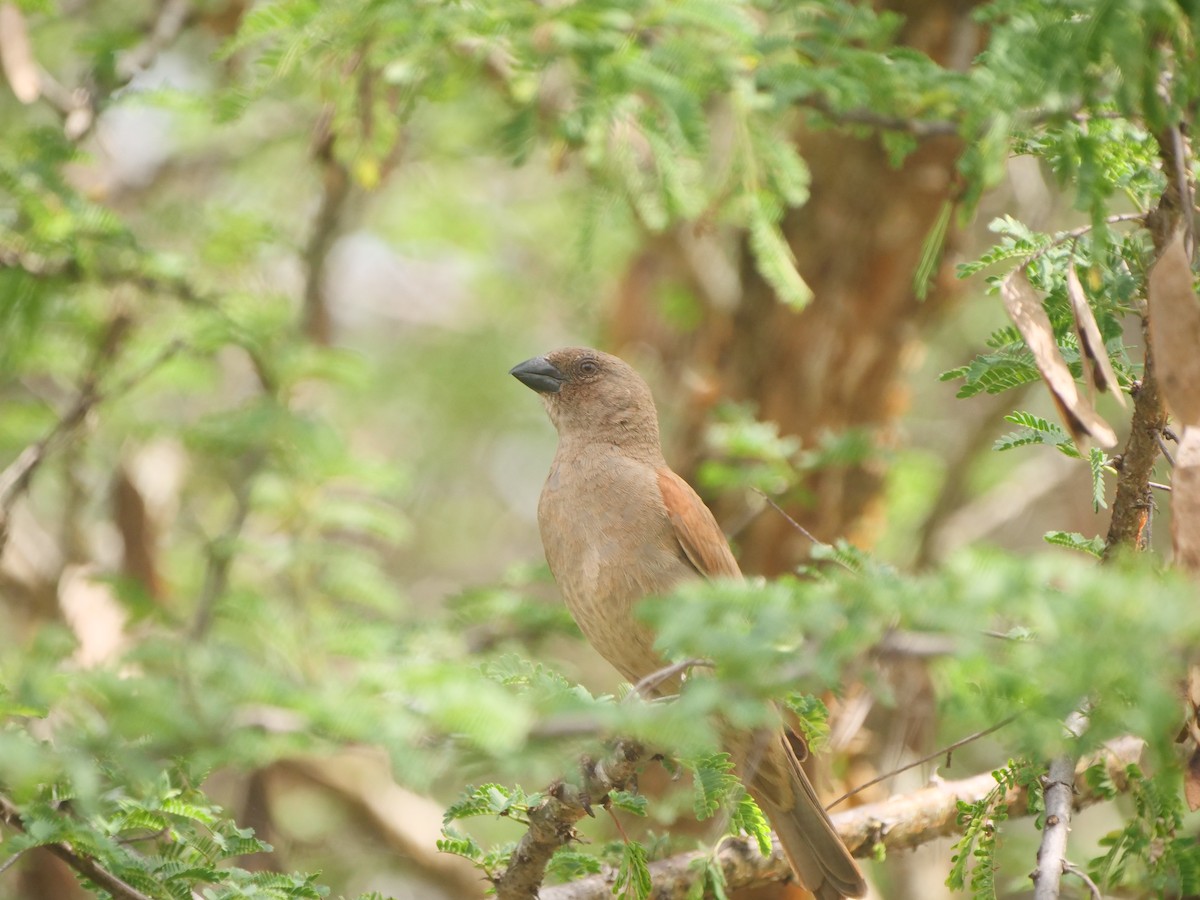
pixel 284 630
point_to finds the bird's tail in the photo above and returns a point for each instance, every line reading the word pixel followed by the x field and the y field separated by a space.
pixel 812 846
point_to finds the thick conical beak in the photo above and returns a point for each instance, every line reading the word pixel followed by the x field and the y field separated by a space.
pixel 540 374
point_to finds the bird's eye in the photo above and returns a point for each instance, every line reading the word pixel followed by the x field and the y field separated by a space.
pixel 589 367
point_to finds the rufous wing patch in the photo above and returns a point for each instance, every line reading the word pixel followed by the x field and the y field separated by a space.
pixel 696 529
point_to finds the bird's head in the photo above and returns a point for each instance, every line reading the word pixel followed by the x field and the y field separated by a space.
pixel 592 395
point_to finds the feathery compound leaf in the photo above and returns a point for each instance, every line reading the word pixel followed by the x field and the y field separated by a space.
pixel 776 262
pixel 459 844
pixel 568 865
pixel 1073 540
pixel 486 800
pixel 713 884
pixel 748 818
pixel 812 715
pixel 713 779
pixel 633 875
pixel 631 803
pixel 994 373
pixel 1036 430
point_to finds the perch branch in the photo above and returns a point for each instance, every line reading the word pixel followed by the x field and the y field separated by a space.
pixel 900 823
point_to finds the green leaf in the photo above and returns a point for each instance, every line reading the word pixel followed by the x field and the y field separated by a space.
pixel 1073 540
pixel 487 800
pixel 749 819
pixel 713 779
pixel 459 844
pixel 813 715
pixel 568 865
pixel 931 252
pixel 776 261
pixel 631 803
pixel 1036 430
pixel 633 874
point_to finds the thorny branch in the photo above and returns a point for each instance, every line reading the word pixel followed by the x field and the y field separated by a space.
pixel 552 821
pixel 1133 503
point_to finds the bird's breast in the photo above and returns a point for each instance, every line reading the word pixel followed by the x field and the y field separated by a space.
pixel 609 544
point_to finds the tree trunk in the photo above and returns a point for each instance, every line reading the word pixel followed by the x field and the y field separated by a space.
pixel 837 365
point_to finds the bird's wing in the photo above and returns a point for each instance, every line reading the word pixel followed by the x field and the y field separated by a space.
pixel 695 528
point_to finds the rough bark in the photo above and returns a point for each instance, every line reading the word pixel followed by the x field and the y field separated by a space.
pixel 1133 504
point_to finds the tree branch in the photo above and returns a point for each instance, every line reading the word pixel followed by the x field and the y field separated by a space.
pixel 16 476
pixel 1058 789
pixel 220 550
pixel 1133 503
pixel 943 751
pixel 552 821
pixel 336 186
pixel 1059 785
pixel 84 865
pixel 900 823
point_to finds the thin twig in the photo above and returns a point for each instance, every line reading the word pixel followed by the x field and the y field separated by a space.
pixel 17 476
pixel 1159 486
pixel 1058 787
pixel 918 128
pixel 944 751
pixel 804 531
pixel 166 27
pixel 1073 869
pixel 1075 233
pixel 176 286
pixel 220 549
pixel 1162 445
pixel 336 189
pixel 800 528
pixel 647 685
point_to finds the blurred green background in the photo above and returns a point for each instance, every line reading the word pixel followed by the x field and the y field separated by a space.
pixel 271 559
